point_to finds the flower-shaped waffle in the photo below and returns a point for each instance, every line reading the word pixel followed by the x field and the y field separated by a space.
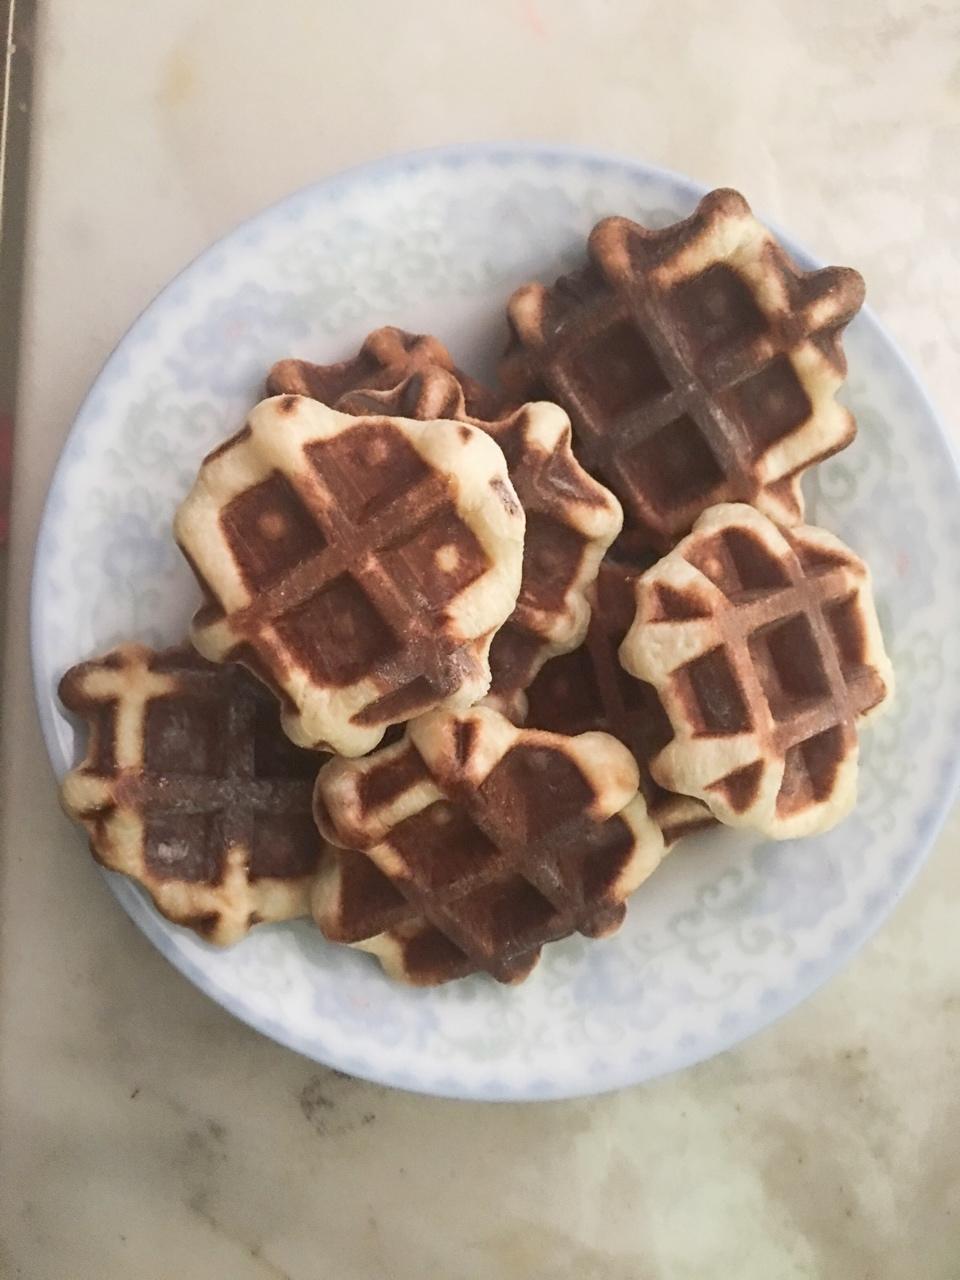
pixel 698 364
pixel 471 843
pixel 190 786
pixel 359 566
pixel 764 647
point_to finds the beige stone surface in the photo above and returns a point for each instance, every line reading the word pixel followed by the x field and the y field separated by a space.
pixel 145 1134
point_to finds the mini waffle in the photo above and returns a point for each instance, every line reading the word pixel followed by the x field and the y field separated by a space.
pixel 471 843
pixel 190 787
pixel 764 647
pixel 698 364
pixel 360 566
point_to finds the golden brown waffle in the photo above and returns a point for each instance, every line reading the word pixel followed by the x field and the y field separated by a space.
pixel 189 786
pixel 764 647
pixel 360 566
pixel 571 520
pixel 698 364
pixel 387 357
pixel 588 689
pixel 480 843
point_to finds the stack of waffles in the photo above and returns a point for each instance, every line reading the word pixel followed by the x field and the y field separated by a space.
pixel 471 660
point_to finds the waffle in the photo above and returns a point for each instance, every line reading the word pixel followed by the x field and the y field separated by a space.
pixel 571 520
pixel 359 566
pixel 589 690
pixel 764 647
pixel 698 364
pixel 387 357
pixel 189 786
pixel 471 843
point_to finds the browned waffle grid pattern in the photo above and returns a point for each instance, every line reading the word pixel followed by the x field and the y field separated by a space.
pixel 697 363
pixel 190 786
pixel 571 520
pixel 350 554
pixel 777 650
pixel 489 872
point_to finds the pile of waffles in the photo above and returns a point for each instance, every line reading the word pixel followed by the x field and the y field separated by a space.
pixel 470 661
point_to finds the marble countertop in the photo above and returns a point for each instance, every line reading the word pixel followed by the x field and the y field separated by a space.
pixel 148 1135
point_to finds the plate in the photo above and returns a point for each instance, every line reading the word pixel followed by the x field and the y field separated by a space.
pixel 731 931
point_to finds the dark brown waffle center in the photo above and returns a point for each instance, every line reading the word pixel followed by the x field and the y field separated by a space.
pixel 791 641
pixel 352 568
pixel 216 772
pixel 498 870
pixel 677 387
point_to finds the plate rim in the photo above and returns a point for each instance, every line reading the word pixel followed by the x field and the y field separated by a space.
pixel 156 928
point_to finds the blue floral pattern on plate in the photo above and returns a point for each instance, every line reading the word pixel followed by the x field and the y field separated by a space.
pixel 731 931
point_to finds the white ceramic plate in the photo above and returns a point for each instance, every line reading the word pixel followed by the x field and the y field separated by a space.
pixel 731 931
